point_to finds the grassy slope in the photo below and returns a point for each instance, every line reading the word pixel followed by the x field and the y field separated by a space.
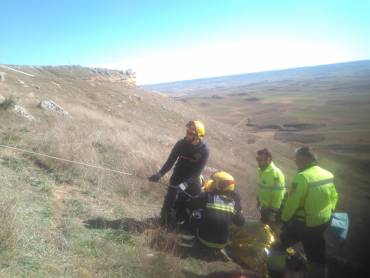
pixel 46 202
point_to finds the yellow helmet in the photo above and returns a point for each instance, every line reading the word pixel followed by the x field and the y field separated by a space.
pixel 199 127
pixel 220 181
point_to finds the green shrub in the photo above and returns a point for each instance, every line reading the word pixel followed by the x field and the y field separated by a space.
pixel 8 103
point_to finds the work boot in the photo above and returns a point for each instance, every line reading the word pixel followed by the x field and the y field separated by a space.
pixel 315 270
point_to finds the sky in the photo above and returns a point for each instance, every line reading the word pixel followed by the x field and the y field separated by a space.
pixel 166 41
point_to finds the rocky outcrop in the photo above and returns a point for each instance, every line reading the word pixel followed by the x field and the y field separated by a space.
pixel 127 76
pixel 22 83
pixel 54 107
pixel 2 76
pixel 135 98
pixel 21 111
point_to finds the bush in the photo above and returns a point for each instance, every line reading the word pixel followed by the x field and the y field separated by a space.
pixel 8 103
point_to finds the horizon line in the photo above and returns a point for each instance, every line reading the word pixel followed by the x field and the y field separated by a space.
pixel 255 72
pixel 186 80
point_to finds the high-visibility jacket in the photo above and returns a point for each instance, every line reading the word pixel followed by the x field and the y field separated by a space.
pixel 312 197
pixel 270 187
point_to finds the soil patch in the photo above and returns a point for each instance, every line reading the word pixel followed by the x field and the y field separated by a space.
pixel 239 94
pixel 299 137
pixel 217 97
pixel 251 99
pixel 350 148
pixel 302 126
pixel 288 127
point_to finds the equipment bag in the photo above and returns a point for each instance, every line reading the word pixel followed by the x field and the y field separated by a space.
pixel 339 225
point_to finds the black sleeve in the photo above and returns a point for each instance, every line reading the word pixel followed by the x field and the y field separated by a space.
pixel 199 201
pixel 171 158
pixel 238 218
pixel 202 164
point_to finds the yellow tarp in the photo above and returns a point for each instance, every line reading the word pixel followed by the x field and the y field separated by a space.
pixel 249 245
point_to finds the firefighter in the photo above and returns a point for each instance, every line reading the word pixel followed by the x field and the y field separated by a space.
pixel 215 209
pixel 311 201
pixel 191 155
pixel 270 187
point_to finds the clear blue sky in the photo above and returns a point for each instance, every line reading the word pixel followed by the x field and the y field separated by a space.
pixel 174 40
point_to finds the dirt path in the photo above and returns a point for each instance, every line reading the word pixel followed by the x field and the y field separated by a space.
pixel 242 121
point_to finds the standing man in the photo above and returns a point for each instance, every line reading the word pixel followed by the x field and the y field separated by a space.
pixel 308 209
pixel 191 154
pixel 271 187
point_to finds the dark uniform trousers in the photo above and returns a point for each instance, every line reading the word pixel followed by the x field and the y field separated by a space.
pixel 175 201
pixel 312 239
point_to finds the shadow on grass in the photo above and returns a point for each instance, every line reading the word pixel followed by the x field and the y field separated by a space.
pixel 157 238
pixel 221 274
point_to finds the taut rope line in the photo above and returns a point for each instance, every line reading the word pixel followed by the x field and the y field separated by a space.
pixel 67 160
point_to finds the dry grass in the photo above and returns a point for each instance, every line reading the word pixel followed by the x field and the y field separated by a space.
pixel 8 224
pixel 160 240
pixel 112 129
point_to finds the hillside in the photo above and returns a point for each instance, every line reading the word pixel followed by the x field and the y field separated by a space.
pixel 66 218
pixel 326 107
pixel 59 218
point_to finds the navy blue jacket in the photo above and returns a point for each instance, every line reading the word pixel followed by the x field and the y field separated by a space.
pixel 191 159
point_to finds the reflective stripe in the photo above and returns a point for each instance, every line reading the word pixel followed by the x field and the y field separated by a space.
pixel 321 182
pixel 183 244
pixel 186 237
pixel 210 244
pixel 303 210
pixel 222 207
pixel 327 210
pixel 274 188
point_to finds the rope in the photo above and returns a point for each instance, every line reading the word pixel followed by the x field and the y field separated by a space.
pixel 83 164
pixel 67 160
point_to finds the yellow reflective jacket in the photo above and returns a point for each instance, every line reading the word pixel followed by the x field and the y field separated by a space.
pixel 312 197
pixel 271 187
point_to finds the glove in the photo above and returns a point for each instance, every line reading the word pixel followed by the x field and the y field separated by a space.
pixel 183 186
pixel 155 178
